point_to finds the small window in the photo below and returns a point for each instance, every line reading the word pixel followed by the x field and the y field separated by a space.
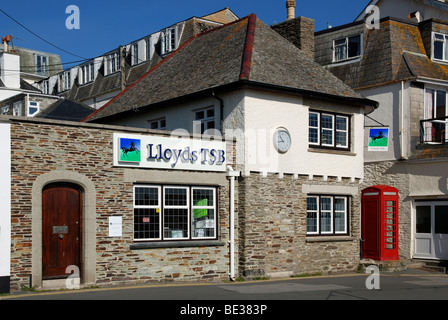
pixel 168 40
pixel 347 48
pixel 86 74
pixel 64 81
pixel 112 63
pixel 17 108
pixel 134 52
pixel 33 108
pixel 206 117
pixel 42 65
pixel 5 110
pixel 159 124
pixel 328 130
pixel 440 47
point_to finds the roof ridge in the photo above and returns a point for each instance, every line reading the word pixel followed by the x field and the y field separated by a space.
pixel 248 48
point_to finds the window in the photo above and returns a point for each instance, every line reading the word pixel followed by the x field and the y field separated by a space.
pixel 327 215
pixel 435 121
pixel 17 108
pixel 206 118
pixel 86 73
pixel 64 81
pixel 169 40
pixel 440 46
pixel 328 130
pixel 347 48
pixel 134 51
pixel 33 109
pixel 112 64
pixel 159 124
pixel 5 110
pixel 45 86
pixel 174 213
pixel 42 65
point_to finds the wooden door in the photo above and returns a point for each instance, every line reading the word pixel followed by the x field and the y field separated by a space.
pixel 61 229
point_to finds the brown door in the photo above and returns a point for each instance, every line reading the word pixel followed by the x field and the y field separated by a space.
pixel 61 226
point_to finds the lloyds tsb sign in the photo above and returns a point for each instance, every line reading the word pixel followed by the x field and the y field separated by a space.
pixel 160 152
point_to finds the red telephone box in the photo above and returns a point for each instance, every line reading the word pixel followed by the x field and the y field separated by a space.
pixel 379 223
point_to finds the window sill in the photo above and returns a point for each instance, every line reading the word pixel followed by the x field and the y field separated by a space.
pixel 177 244
pixel 311 239
pixel 332 151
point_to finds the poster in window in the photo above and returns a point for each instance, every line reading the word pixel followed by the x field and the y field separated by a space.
pixel 378 139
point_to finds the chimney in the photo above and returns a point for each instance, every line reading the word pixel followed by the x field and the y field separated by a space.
pixel 291 9
pixel 300 32
pixel 9 66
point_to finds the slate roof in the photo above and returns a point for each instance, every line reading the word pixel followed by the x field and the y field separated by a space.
pixel 66 109
pixel 245 51
pixel 394 52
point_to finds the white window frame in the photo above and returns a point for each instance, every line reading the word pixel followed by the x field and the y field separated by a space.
pixel 319 212
pixel 189 207
pixel 169 40
pixel 334 130
pixel 135 59
pixel 159 123
pixel 346 46
pixel 17 108
pixel 112 63
pixel 64 81
pixel 5 110
pixel 444 42
pixel 428 125
pixel 32 104
pixel 206 120
pixel 42 64
pixel 157 207
pixel 87 73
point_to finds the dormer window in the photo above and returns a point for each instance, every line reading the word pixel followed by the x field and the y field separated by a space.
pixel 346 48
pixel 64 81
pixel 41 65
pixel 112 64
pixel 168 40
pixel 440 46
pixel 86 73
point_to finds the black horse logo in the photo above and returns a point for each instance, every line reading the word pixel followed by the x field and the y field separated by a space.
pixel 132 148
pixel 379 136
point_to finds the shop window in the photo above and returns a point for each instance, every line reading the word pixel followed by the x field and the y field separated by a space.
pixel 327 215
pixel 167 213
pixel 328 130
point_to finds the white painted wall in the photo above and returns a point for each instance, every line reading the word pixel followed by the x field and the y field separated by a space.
pixel 252 117
pixel 10 70
pixel 5 200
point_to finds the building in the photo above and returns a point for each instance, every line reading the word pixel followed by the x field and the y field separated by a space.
pixel 96 81
pixel 17 96
pixel 298 191
pixel 402 65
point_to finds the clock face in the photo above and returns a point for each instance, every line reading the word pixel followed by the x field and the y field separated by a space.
pixel 282 140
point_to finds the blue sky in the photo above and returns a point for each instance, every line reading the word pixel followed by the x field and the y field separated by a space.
pixel 105 25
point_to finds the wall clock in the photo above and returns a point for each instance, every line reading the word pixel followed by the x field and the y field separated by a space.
pixel 282 140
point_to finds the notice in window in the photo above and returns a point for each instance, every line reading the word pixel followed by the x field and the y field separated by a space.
pixel 378 139
pixel 115 226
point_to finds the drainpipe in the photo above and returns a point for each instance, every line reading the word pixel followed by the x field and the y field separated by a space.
pixel 403 154
pixel 232 174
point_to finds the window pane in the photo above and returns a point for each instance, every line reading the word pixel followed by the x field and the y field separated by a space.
pixel 146 224
pixel 341 139
pixel 325 204
pixel 354 46
pixel 441 103
pixel 341 123
pixel 313 135
pixel 313 120
pixel 423 219
pixel 203 197
pixel 311 222
pixel 175 196
pixel 340 50
pixel 327 137
pixel 199 115
pixel 325 222
pixel 175 223
pixel 438 46
pixel 327 121
pixel 441 219
pixel 145 196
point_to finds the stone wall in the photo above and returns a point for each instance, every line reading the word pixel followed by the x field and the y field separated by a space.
pixel 272 219
pixel 42 147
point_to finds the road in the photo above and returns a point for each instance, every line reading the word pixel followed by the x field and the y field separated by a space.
pixel 266 297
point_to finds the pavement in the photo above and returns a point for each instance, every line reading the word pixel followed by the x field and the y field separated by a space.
pixel 261 297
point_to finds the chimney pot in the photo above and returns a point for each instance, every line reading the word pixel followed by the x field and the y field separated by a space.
pixel 290 7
